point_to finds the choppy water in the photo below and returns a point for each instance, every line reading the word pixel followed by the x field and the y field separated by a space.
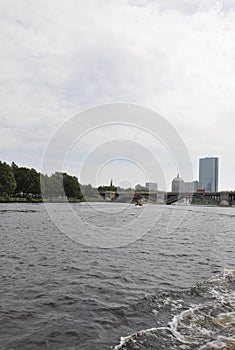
pixel 169 289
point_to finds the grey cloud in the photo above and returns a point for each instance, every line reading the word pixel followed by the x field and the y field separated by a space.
pixel 185 6
pixel 176 57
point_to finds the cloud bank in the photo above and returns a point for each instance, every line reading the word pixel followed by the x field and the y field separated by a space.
pixel 175 57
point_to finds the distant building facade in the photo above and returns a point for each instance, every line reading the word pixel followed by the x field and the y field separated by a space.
pixel 152 186
pixel 177 184
pixel 208 173
pixel 181 186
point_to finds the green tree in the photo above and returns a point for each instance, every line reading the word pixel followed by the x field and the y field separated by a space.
pixel 59 185
pixel 34 180
pixel 7 179
pixel 72 187
pixel 21 179
pixel 27 180
pixel 52 186
pixel 110 188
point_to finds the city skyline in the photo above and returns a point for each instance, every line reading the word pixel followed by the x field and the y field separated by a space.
pixel 178 184
pixel 208 170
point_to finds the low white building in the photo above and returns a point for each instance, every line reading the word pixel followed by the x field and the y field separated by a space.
pixel 180 186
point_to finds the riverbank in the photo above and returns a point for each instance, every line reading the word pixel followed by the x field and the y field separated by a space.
pixel 6 199
pixel 30 199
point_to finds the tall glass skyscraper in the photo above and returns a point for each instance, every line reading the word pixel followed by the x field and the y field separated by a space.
pixel 208 173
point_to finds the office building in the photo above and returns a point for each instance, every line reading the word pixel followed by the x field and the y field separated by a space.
pixel 181 186
pixel 177 184
pixel 208 173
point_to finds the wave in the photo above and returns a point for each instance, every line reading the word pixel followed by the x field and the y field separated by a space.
pixel 201 318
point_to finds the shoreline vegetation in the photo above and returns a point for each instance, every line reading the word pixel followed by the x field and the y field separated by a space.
pixel 7 199
pixel 21 184
pixel 25 185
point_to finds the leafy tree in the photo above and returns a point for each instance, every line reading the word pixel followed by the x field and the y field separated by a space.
pixel 21 180
pixel 72 187
pixel 14 166
pixel 140 188
pixel 52 186
pixel 110 188
pixel 27 180
pixel 7 179
pixel 59 185
pixel 34 179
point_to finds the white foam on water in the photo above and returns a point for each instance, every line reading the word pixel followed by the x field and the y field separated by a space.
pixel 225 320
pixel 222 343
pixel 190 321
pixel 224 297
pixel 200 323
pixel 227 276
pixel 175 304
pixel 131 337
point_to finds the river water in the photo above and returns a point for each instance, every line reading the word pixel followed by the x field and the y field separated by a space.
pixel 156 287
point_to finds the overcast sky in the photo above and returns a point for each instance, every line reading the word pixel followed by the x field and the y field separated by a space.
pixel 175 57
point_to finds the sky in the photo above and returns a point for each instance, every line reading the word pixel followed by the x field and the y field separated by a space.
pixel 175 58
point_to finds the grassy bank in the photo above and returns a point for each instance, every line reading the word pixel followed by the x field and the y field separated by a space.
pixel 6 199
pixel 29 199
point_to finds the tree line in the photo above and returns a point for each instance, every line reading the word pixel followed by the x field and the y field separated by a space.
pixel 22 182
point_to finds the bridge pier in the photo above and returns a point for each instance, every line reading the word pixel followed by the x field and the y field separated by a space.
pixel 224 199
pixel 161 198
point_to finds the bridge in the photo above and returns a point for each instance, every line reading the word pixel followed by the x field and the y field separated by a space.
pixel 226 198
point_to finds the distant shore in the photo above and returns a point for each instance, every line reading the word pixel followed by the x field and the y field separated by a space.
pixel 37 200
